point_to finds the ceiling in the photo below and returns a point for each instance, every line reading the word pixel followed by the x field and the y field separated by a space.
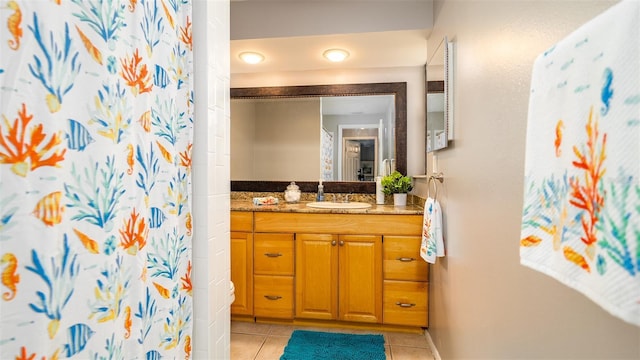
pixel 367 50
pixel 388 46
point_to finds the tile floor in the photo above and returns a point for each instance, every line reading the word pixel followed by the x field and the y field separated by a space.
pixel 255 341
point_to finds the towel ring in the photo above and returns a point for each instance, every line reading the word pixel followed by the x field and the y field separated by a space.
pixel 439 177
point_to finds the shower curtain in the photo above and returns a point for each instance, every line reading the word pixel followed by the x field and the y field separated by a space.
pixel 95 179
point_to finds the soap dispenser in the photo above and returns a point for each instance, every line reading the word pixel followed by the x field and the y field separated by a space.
pixel 320 196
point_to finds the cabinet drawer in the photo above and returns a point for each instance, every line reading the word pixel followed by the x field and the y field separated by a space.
pixel 242 221
pixel 273 296
pixel 405 303
pixel 273 254
pixel 401 259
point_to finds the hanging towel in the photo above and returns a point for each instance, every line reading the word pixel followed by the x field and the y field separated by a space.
pixel 581 215
pixel 432 244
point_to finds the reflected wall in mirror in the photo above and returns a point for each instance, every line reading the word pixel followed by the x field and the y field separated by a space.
pixel 342 134
pixel 436 126
pixel 439 105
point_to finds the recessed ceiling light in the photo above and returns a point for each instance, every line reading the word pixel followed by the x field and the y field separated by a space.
pixel 336 55
pixel 251 57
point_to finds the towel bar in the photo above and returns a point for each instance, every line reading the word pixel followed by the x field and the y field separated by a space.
pixel 439 177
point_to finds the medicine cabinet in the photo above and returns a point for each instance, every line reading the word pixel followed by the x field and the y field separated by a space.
pixel 439 97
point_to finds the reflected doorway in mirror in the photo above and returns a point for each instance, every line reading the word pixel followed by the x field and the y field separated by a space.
pixel 359 153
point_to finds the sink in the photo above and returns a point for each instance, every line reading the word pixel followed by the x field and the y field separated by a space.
pixel 338 205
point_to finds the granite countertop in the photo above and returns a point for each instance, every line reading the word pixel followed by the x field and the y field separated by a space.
pixel 301 207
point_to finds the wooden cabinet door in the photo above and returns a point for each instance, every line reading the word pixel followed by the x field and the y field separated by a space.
pixel 360 278
pixel 242 272
pixel 316 276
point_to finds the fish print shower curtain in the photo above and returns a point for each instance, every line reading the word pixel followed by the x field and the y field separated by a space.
pixel 95 179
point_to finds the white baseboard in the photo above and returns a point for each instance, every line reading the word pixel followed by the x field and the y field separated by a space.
pixel 432 346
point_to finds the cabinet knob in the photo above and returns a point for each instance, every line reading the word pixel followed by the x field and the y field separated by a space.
pixel 405 305
pixel 333 243
pixel 272 255
pixel 273 297
pixel 406 259
pixel 341 243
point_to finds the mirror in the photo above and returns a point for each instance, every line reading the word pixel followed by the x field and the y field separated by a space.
pixel 438 98
pixel 350 142
pixel 343 134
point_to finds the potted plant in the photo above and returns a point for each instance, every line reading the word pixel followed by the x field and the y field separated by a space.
pixel 398 185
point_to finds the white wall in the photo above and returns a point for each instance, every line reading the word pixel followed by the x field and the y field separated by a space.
pixel 483 303
pixel 413 76
pixel 211 244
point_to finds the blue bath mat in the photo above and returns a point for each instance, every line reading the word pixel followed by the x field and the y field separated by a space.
pixel 316 345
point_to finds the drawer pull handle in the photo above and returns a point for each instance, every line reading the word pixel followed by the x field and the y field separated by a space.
pixel 272 255
pixel 273 297
pixel 406 259
pixel 405 305
pixel 333 243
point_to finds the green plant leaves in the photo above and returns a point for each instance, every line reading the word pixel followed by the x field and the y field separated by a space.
pixel 396 183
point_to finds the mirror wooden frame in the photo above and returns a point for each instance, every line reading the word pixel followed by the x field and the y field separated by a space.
pixel 398 89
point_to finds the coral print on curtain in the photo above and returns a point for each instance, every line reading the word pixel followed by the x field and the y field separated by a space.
pixel 95 179
pixel 581 218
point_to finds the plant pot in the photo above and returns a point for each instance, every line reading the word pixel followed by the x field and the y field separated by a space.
pixel 400 199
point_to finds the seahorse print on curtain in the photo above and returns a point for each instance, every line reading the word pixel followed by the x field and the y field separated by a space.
pixel 96 134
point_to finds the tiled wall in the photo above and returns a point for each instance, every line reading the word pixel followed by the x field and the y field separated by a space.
pixel 211 254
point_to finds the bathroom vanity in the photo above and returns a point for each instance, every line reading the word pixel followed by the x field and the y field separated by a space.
pixel 293 263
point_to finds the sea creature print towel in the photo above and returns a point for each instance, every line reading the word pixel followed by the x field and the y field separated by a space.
pixel 432 244
pixel 581 210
